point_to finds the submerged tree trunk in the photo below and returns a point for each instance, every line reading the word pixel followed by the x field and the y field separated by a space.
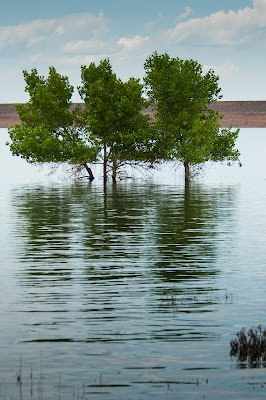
pixel 114 170
pixel 187 173
pixel 104 162
pixel 91 177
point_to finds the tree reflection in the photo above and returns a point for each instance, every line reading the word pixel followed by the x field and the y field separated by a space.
pixel 186 224
pixel 47 229
pixel 125 231
pixel 120 252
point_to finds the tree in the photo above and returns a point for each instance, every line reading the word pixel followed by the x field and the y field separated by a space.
pixel 189 127
pixel 113 113
pixel 49 131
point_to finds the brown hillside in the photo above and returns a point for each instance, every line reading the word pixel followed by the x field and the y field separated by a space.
pixel 238 114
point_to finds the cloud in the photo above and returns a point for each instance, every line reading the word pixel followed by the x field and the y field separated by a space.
pixel 70 27
pixel 11 35
pixel 35 58
pixel 60 30
pixel 220 28
pixel 79 60
pixel 84 46
pixel 132 43
pixel 223 69
pixel 185 14
pixel 36 40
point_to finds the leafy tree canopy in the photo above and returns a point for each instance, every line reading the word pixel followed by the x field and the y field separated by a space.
pixel 113 112
pixel 112 127
pixel 182 94
pixel 49 131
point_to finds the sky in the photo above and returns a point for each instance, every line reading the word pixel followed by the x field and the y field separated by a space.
pixel 228 36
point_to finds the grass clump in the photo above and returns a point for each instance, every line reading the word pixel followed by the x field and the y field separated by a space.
pixel 249 346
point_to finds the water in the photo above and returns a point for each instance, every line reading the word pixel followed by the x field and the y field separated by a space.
pixel 134 292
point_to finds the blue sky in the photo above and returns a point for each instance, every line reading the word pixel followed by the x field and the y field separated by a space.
pixel 228 36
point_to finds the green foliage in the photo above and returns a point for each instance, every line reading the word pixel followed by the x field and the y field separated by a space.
pixel 113 112
pixel 223 146
pixel 49 100
pixel 112 126
pixel 182 93
pixel 49 131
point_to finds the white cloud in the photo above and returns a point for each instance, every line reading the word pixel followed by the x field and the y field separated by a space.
pixel 223 69
pixel 222 28
pixel 60 30
pixel 74 26
pixel 84 46
pixel 10 35
pixel 185 14
pixel 35 58
pixel 36 40
pixel 78 60
pixel 132 43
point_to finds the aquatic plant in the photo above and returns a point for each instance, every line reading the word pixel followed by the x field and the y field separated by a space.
pixel 250 346
pixel 171 298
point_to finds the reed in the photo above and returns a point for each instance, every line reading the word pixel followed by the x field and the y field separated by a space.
pixel 249 346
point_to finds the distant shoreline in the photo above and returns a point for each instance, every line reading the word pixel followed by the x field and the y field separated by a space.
pixel 238 114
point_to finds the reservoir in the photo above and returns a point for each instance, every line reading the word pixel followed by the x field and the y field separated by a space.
pixel 132 292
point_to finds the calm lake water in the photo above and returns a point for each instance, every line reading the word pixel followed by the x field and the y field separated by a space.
pixel 134 292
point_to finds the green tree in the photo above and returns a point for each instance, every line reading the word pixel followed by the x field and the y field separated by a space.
pixel 50 132
pixel 188 128
pixel 113 113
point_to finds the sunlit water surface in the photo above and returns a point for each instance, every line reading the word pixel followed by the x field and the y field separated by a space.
pixel 134 292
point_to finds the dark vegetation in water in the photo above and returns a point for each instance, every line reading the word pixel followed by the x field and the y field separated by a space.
pixel 250 347
pixel 170 298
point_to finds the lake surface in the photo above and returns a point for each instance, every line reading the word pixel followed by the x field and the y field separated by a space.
pixel 136 291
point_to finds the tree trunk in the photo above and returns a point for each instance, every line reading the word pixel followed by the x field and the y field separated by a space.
pixel 91 177
pixel 114 170
pixel 104 163
pixel 187 173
